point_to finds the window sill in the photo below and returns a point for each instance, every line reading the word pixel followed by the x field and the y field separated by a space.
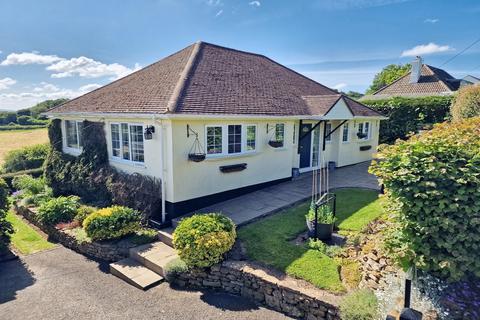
pixel 73 151
pixel 213 157
pixel 140 165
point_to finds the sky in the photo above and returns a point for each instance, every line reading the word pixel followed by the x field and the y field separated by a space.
pixel 57 48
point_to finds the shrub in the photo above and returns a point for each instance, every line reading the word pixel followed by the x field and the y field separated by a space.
pixel 432 183
pixel 32 190
pixel 324 214
pixel 30 157
pixel 83 212
pixel 144 236
pixel 112 222
pixel 202 240
pixel 6 228
pixel 406 115
pixel 466 103
pixel 3 195
pixel 55 210
pixel 359 305
pixel 174 268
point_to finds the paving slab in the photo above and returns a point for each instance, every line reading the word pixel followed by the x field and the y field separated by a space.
pixel 135 273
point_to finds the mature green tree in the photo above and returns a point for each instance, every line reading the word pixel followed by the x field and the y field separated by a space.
pixel 354 94
pixel 44 106
pixel 388 75
pixel 466 104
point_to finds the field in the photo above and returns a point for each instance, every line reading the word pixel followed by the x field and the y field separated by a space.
pixel 10 140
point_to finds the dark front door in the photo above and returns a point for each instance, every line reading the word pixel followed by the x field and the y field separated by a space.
pixel 305 145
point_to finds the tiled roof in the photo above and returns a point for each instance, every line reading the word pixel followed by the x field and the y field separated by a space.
pixel 208 79
pixel 433 81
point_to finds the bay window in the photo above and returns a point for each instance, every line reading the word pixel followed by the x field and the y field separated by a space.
pixel 127 142
pixel 230 139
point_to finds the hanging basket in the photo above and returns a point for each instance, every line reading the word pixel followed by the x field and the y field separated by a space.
pixel 197 153
pixel 275 144
pixel 196 157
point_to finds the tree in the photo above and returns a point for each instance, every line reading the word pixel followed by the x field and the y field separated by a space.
pixel 353 94
pixel 44 106
pixel 466 104
pixel 388 75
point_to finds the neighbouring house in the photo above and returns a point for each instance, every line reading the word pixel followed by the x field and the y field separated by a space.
pixel 212 123
pixel 422 80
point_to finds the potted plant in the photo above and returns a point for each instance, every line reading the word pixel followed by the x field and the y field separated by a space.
pixel 325 221
pixel 196 157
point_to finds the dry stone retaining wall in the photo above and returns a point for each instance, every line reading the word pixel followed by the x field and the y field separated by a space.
pixel 105 250
pixel 285 295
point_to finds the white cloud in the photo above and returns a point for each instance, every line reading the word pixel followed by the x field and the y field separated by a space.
pixel 219 13
pixel 45 91
pixel 431 20
pixel 339 86
pixel 29 58
pixel 425 49
pixel 255 3
pixel 6 83
pixel 89 68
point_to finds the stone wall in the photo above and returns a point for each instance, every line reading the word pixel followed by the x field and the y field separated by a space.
pixel 280 293
pixel 106 250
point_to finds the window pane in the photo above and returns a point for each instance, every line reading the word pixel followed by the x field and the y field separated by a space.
pixel 280 132
pixel 367 129
pixel 327 132
pixel 71 133
pixel 360 127
pixel 80 133
pixel 115 140
pixel 136 139
pixel 214 140
pixel 234 138
pixel 345 133
pixel 125 142
pixel 251 137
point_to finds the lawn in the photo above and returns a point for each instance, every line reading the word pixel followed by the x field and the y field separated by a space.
pixel 10 140
pixel 269 240
pixel 26 239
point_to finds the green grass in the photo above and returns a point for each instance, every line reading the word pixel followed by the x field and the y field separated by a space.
pixel 268 240
pixel 26 239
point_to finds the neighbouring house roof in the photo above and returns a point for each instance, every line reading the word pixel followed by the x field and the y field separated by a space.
pixel 433 81
pixel 208 79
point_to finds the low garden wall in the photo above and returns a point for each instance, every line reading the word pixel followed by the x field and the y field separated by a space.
pixel 106 250
pixel 279 293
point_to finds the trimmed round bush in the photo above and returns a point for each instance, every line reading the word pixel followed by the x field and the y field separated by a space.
pixel 432 184
pixel 111 223
pixel 56 210
pixel 359 305
pixel 202 240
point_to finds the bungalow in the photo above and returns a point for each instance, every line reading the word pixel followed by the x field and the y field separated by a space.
pixel 212 123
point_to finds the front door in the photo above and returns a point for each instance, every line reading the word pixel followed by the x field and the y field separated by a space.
pixel 305 145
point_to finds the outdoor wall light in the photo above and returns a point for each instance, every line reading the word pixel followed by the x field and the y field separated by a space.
pixel 148 133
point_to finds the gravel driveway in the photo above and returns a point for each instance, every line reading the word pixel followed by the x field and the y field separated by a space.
pixel 61 284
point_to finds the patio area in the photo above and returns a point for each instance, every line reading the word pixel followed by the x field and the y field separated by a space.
pixel 249 207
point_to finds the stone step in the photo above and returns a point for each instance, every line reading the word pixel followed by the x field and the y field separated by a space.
pixel 166 236
pixel 154 256
pixel 135 273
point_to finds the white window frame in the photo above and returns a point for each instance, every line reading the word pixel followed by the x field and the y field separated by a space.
pixel 130 154
pixel 225 152
pixel 369 132
pixel 65 139
pixel 347 126
pixel 328 140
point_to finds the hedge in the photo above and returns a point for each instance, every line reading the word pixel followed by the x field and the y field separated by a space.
pixel 432 183
pixel 20 127
pixel 26 158
pixel 406 115
pixel 8 177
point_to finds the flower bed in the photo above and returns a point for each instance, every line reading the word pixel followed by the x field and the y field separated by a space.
pixel 112 250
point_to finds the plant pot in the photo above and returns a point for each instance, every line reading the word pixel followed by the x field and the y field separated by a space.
pixel 365 148
pixel 275 144
pixel 196 157
pixel 324 230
